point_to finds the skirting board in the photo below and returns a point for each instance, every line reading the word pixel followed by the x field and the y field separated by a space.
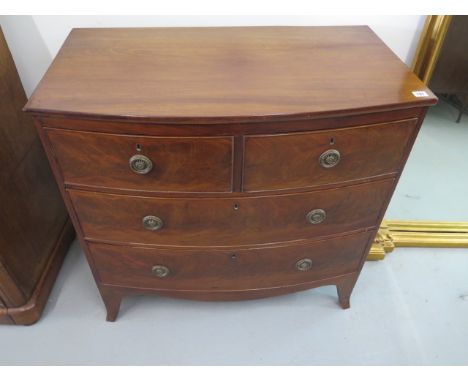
pixel 414 233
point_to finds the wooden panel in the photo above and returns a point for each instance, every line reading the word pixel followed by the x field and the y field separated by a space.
pixel 32 217
pixel 10 291
pixel 217 222
pixel 4 318
pixel 228 270
pixel 17 131
pixel 225 74
pixel 31 311
pixel 179 164
pixel 32 213
pixel 292 160
pixel 224 129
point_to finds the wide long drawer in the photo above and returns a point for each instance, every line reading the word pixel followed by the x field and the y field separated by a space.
pixel 206 269
pixel 142 163
pixel 299 160
pixel 229 221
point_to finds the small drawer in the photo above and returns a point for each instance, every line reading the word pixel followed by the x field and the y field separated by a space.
pixel 207 269
pixel 179 164
pixel 300 160
pixel 229 221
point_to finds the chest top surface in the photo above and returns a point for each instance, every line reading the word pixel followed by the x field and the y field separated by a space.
pixel 238 74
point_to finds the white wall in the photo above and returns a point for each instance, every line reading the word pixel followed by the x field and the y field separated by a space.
pixel 35 40
pixel 31 55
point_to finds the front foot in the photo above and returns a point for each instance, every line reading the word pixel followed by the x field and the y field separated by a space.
pixel 344 301
pixel 344 288
pixel 112 301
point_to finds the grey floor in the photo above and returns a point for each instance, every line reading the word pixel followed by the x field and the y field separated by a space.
pixel 410 309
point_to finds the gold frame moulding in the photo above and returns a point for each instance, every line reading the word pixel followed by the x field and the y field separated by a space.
pixel 414 233
pixel 430 44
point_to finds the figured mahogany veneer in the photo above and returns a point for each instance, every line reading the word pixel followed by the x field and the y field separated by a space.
pixel 273 155
pixel 180 164
pixel 229 221
pixel 287 161
pixel 207 75
pixel 228 269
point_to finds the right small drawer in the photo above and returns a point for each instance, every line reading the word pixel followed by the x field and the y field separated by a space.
pixel 300 160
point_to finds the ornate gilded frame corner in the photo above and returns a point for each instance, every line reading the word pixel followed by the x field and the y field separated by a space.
pixel 430 43
pixel 414 233
pixel 383 244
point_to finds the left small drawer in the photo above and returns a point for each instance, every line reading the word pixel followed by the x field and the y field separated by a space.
pixel 143 163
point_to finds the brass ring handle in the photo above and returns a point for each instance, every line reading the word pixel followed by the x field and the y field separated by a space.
pixel 304 265
pixel 140 164
pixel 160 271
pixel 152 223
pixel 316 216
pixel 329 158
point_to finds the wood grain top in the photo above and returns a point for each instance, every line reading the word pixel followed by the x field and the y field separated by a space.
pixel 236 74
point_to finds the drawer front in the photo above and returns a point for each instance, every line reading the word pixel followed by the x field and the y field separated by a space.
pixel 228 270
pixel 159 163
pixel 228 221
pixel 288 161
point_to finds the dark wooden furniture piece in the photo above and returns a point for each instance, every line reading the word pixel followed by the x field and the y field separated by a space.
pixel 35 231
pixel 450 76
pixel 227 163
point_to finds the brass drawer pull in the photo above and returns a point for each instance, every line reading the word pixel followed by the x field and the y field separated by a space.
pixel 304 265
pixel 140 164
pixel 316 216
pixel 160 271
pixel 152 223
pixel 329 158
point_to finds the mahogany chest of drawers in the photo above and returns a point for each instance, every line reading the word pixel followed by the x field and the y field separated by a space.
pixel 227 163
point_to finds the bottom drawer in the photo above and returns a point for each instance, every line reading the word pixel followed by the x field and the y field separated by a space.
pixel 205 270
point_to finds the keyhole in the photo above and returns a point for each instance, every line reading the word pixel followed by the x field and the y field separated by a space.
pixel 332 141
pixel 234 256
pixel 138 147
pixel 236 206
